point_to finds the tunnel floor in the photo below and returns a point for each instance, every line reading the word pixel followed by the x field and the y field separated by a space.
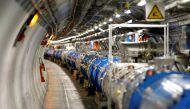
pixel 64 92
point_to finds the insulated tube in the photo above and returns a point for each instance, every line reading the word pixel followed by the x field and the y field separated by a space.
pixel 164 90
pixel 92 69
pixel 84 64
pixel 97 68
pixel 137 89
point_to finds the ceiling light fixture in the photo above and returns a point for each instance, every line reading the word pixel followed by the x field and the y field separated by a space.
pixel 130 21
pixel 104 23
pixel 117 15
pixel 142 3
pixel 127 11
pixel 110 20
pixel 100 25
pixel 96 27
pixel 92 29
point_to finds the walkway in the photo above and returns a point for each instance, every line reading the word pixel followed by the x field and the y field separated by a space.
pixel 64 93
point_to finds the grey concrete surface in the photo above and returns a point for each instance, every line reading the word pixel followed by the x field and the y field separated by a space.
pixel 64 92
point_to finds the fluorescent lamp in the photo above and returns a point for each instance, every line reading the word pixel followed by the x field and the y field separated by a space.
pixel 130 21
pixel 117 15
pixel 92 29
pixel 142 3
pixel 110 20
pixel 127 11
pixel 104 23
pixel 96 27
pixel 101 30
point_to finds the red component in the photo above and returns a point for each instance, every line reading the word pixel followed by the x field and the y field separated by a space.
pixel 145 37
pixel 21 37
pixel 131 67
pixel 96 45
pixel 42 68
pixel 44 42
pixel 150 72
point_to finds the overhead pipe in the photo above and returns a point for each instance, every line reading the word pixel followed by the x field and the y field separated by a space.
pixel 176 3
pixel 84 11
pixel 35 5
pixel 72 21
pixel 88 6
pixel 108 2
pixel 49 10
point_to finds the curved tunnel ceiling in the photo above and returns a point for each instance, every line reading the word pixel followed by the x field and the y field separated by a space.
pixel 70 17
pixel 97 14
pixel 60 17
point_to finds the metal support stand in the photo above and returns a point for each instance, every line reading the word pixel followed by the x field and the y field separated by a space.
pixel 110 57
pixel 110 61
pixel 167 42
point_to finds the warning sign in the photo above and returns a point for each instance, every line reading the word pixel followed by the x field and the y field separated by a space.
pixel 155 12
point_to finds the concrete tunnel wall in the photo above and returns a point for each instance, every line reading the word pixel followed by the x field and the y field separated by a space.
pixel 20 85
